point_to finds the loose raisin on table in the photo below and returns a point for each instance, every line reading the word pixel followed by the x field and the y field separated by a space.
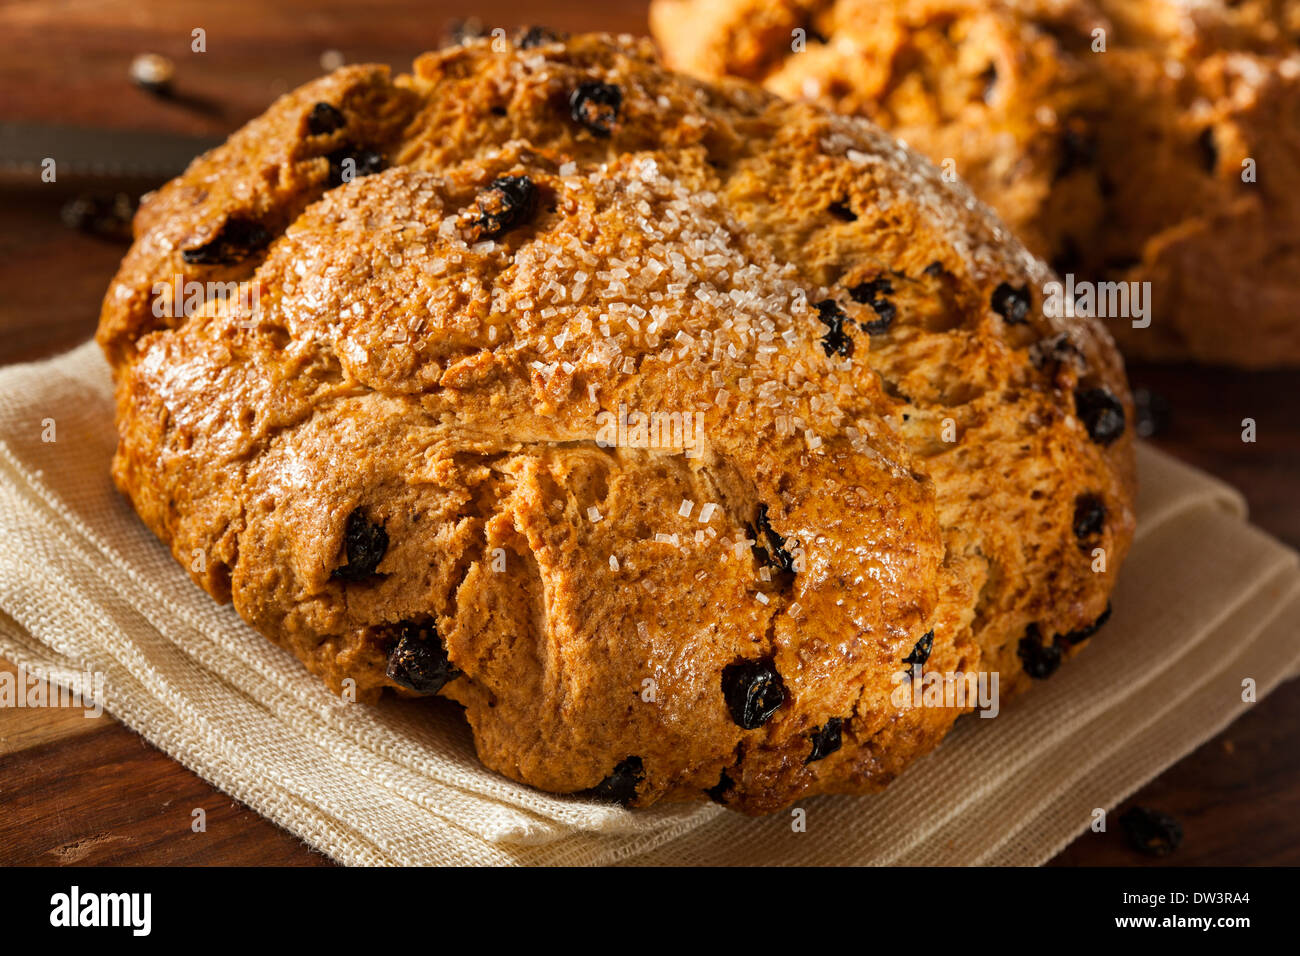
pixel 365 545
pixel 365 162
pixel 620 786
pixel 105 215
pixel 505 203
pixel 1150 411
pixel 596 106
pixel 324 119
pixel 1089 516
pixel 1011 302
pixel 1151 831
pixel 773 551
pixel 826 739
pixel 753 691
pixel 1101 413
pixel 419 661
pixel 921 652
pixel 1040 660
pixel 836 341
pixel 237 240
pixel 1082 634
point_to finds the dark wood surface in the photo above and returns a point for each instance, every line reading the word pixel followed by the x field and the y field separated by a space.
pixel 74 790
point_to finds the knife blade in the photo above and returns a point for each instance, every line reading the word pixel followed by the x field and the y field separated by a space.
pixel 106 153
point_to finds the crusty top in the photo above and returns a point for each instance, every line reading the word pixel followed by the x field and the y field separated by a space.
pixel 466 274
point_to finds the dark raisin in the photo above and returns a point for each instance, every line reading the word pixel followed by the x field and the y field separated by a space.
pixel 419 661
pixel 868 292
pixel 105 215
pixel 1060 349
pixel 537 36
pixel 1209 150
pixel 1082 634
pixel 921 652
pixel 365 162
pixel 885 312
pixel 1040 660
pixel 1078 151
pixel 1150 831
pixel 237 240
pixel 505 203
pixel 596 106
pixel 1011 302
pixel 365 545
pixel 1150 411
pixel 1101 413
pixel 753 691
pixel 841 211
pixel 324 119
pixel 1089 516
pixel 771 548
pixel 988 82
pixel 935 269
pixel 836 341
pixel 826 739
pixel 620 786
pixel 718 792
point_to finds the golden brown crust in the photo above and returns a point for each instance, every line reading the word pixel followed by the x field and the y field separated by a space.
pixel 1122 163
pixel 438 347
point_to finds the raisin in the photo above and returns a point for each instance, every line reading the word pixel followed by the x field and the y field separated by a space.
pixel 841 211
pixel 1082 634
pixel 620 786
pixel 988 82
pixel 1040 660
pixel 886 311
pixel 1078 151
pixel 826 739
pixel 1011 302
pixel 1150 411
pixel 596 106
pixel 504 204
pixel 365 162
pixel 1101 413
pixel 718 792
pixel 237 240
pixel 104 215
pixel 921 652
pixel 1059 349
pixel 537 36
pixel 774 552
pixel 1150 831
pixel 324 119
pixel 935 269
pixel 419 661
pixel 753 691
pixel 1209 150
pixel 867 292
pixel 836 341
pixel 1089 516
pixel 365 545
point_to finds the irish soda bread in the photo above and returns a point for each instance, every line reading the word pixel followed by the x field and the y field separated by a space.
pixel 1123 140
pixel 439 456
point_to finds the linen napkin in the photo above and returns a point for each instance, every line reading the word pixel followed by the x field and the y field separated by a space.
pixel 1205 602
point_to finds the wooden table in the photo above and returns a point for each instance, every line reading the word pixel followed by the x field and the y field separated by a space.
pixel 77 790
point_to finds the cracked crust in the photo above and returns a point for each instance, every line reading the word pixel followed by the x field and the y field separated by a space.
pixel 684 256
pixel 1124 165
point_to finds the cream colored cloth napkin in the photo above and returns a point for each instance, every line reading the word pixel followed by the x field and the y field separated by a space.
pixel 1204 603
